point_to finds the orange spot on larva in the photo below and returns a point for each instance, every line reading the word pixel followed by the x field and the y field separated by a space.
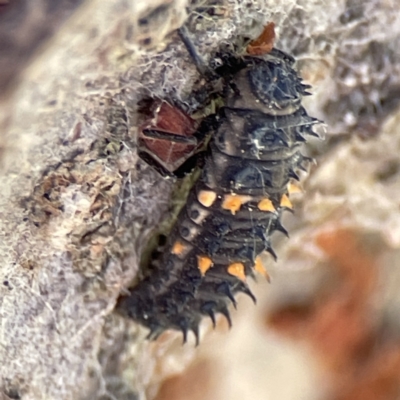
pixel 204 264
pixel 237 269
pixel 266 205
pixel 285 202
pixel 178 248
pixel 206 197
pixel 233 202
pixel 294 188
pixel 259 267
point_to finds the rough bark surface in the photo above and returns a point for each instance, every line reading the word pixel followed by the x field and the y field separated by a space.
pixel 76 203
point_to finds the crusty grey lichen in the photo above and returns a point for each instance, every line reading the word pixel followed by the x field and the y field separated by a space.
pixel 77 204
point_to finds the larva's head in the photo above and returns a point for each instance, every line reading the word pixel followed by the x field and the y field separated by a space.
pixel 268 84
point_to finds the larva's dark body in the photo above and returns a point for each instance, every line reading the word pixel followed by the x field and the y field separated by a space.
pixel 237 203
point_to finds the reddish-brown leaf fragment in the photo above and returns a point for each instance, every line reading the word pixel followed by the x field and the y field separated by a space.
pixel 169 120
pixel 264 43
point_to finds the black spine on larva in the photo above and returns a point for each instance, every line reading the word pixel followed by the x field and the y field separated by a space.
pixel 254 152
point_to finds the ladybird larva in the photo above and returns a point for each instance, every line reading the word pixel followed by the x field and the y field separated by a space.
pixel 252 159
